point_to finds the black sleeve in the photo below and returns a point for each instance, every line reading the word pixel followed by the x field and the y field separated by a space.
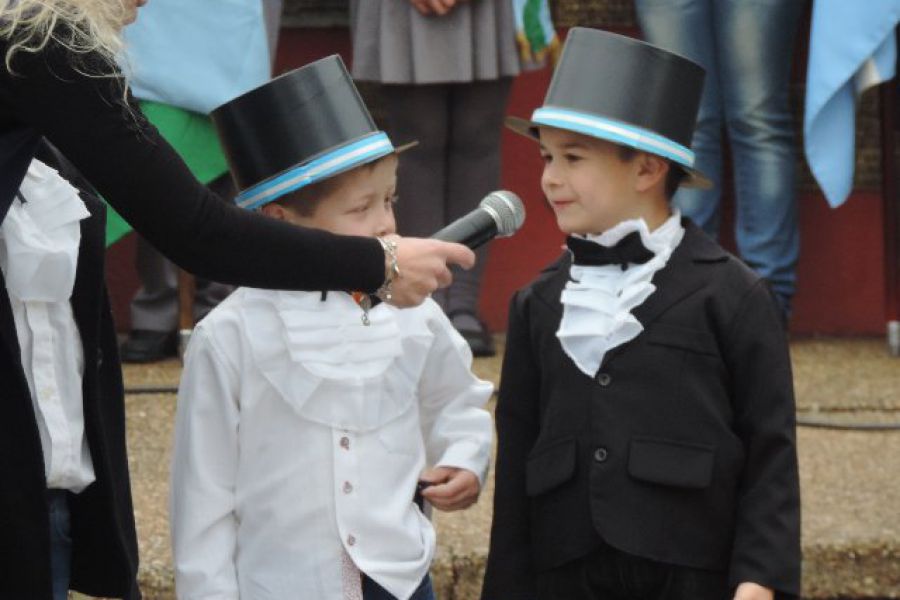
pixel 510 569
pixel 142 177
pixel 766 546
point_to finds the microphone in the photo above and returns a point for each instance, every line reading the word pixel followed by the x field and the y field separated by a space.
pixel 500 213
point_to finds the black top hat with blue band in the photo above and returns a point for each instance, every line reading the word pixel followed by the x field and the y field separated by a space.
pixel 298 129
pixel 625 91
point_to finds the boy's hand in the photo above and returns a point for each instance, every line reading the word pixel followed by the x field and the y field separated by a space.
pixel 753 591
pixel 428 7
pixel 424 268
pixel 453 489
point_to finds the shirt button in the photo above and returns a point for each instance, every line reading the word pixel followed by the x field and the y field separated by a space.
pixel 345 443
pixel 348 487
pixel 601 454
pixel 351 541
pixel 604 379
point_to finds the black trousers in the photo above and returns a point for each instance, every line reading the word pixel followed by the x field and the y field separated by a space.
pixel 609 574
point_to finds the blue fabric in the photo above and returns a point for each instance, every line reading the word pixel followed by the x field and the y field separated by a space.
pixel 614 131
pixel 60 543
pixel 845 36
pixel 746 48
pixel 344 158
pixel 373 591
pixel 197 54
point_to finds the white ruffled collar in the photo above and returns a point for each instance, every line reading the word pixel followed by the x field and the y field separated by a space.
pixel 327 365
pixel 598 300
pixel 40 235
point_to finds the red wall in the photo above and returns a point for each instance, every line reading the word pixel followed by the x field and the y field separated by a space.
pixel 840 279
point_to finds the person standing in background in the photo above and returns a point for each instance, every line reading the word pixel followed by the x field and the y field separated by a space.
pixel 746 49
pixel 445 69
pixel 169 48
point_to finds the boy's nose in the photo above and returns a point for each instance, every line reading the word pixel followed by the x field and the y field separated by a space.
pixel 549 177
pixel 388 225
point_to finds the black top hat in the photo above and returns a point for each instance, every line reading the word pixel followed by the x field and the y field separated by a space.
pixel 625 91
pixel 302 127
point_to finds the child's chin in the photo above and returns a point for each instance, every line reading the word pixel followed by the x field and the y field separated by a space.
pixel 570 228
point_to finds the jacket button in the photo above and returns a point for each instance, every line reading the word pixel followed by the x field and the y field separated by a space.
pixel 345 443
pixel 348 487
pixel 604 379
pixel 351 541
pixel 601 454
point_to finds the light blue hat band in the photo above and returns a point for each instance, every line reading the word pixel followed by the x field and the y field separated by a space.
pixel 343 158
pixel 614 131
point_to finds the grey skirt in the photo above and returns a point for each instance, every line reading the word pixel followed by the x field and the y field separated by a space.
pixel 393 43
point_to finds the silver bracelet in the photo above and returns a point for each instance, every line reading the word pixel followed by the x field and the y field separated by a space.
pixel 385 292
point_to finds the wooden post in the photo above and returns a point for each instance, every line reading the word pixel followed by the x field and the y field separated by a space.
pixel 186 287
pixel 888 108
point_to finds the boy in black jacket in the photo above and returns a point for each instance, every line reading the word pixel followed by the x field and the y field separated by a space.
pixel 646 437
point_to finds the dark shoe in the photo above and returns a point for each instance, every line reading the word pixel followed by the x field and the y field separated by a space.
pixel 478 337
pixel 143 345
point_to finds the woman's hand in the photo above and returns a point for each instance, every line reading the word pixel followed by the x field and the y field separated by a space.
pixel 433 7
pixel 424 268
pixel 753 591
pixel 452 489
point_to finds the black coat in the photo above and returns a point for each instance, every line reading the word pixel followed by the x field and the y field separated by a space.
pixel 681 449
pixel 104 544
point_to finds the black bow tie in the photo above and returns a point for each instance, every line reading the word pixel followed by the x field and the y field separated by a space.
pixel 629 250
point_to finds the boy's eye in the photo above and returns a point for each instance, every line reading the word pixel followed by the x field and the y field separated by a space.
pixel 573 157
pixel 546 158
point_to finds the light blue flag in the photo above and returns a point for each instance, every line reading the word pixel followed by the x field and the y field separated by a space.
pixel 197 54
pixel 852 48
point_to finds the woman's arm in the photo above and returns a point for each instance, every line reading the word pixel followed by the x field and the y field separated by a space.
pixel 140 175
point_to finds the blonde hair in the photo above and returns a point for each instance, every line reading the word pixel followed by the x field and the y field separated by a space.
pixel 80 26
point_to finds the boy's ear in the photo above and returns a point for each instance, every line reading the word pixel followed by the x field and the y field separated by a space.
pixel 274 211
pixel 651 171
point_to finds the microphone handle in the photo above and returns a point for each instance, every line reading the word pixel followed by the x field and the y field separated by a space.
pixel 473 230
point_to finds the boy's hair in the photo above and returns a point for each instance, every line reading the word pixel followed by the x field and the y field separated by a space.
pixel 673 178
pixel 306 200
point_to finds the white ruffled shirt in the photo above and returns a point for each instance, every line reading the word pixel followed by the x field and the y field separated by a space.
pixel 598 300
pixel 300 436
pixel 39 240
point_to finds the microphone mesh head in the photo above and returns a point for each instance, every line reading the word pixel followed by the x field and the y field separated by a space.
pixel 507 210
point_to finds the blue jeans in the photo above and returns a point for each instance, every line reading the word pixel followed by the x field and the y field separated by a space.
pixel 373 591
pixel 746 48
pixel 60 542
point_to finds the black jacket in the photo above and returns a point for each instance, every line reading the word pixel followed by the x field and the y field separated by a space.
pixel 104 544
pixel 681 449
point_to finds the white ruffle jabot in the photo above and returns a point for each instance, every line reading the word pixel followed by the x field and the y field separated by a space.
pixel 324 355
pixel 598 300
pixel 40 237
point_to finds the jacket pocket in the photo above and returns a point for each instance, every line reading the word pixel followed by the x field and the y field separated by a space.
pixel 550 467
pixel 683 338
pixel 666 462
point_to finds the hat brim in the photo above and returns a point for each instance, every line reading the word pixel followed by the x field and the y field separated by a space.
pixel 406 146
pixel 693 178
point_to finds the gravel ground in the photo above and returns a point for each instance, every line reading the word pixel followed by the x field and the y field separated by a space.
pixel 851 488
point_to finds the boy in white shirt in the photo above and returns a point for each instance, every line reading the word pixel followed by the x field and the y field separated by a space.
pixel 306 420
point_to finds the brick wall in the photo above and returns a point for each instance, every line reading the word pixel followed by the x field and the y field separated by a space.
pixel 619 15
